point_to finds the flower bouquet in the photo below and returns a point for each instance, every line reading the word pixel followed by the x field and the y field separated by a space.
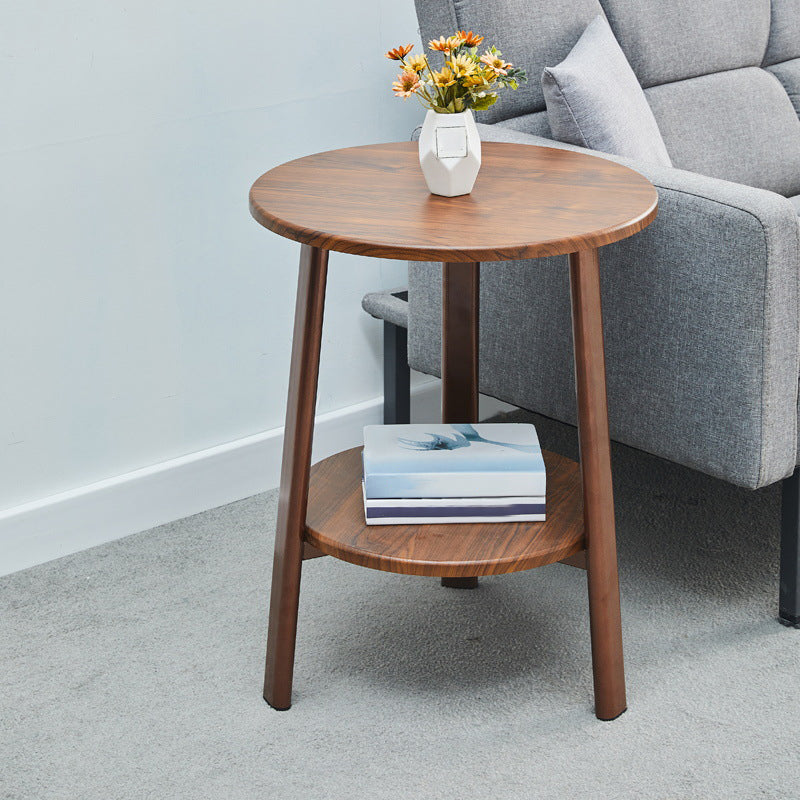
pixel 449 145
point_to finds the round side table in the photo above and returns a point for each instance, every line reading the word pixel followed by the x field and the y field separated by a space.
pixel 527 202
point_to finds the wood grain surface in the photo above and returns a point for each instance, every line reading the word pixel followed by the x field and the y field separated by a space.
pixel 528 201
pixel 598 495
pixel 293 495
pixel 460 341
pixel 335 524
pixel 461 287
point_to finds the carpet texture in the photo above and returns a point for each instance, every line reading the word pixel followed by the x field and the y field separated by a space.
pixel 134 670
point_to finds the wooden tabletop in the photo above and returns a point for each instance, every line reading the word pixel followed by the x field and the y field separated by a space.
pixel 527 202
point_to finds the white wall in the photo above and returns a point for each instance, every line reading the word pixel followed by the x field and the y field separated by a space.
pixel 144 314
pixel 145 318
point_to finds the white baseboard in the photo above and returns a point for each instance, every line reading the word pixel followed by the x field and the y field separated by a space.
pixel 90 515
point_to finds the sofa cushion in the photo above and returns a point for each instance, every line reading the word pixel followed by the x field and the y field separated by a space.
pixel 784 37
pixel 738 125
pixel 535 124
pixel 669 40
pixel 796 201
pixel 788 73
pixel 530 33
pixel 594 100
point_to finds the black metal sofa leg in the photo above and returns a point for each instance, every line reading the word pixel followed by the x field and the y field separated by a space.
pixel 397 401
pixel 396 376
pixel 789 605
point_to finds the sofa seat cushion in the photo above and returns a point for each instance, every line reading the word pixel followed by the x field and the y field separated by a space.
pixel 796 201
pixel 594 100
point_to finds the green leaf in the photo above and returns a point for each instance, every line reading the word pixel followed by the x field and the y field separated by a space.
pixel 482 103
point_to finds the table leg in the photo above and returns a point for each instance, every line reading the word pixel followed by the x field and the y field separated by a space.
pixel 460 313
pixel 293 497
pixel 598 499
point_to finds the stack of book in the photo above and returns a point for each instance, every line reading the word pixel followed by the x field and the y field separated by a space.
pixel 440 473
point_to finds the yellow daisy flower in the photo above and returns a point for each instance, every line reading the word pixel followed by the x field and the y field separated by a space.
pixel 461 66
pixel 475 80
pixel 443 79
pixel 417 63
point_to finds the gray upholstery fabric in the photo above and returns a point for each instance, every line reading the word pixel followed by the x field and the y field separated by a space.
pixel 535 124
pixel 531 34
pixel 784 38
pixel 738 125
pixel 788 73
pixel 669 40
pixel 386 305
pixel 701 323
pixel 594 100
pixel 702 316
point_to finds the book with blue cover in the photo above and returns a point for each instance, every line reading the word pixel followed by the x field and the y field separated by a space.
pixel 484 460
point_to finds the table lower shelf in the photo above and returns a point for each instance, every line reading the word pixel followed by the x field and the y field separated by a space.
pixel 335 525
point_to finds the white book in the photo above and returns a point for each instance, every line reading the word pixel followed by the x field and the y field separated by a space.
pixel 452 520
pixel 444 510
pixel 458 460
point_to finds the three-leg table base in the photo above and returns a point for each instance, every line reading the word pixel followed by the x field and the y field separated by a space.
pixel 460 315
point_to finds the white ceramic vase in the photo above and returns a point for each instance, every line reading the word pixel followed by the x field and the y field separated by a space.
pixel 450 153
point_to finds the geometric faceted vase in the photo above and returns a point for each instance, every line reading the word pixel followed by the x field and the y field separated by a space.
pixel 450 153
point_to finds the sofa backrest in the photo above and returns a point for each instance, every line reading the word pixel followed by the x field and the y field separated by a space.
pixel 720 75
pixel 782 58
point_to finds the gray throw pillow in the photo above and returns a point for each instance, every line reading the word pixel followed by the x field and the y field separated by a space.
pixel 594 100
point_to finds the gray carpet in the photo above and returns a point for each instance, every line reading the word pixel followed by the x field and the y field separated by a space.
pixel 133 670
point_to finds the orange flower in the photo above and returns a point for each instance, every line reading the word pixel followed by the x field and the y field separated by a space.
pixel 399 53
pixel 470 39
pixel 407 83
pixel 494 62
pixel 445 45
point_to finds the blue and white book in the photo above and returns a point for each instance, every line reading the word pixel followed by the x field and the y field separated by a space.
pixel 458 461
pixel 444 510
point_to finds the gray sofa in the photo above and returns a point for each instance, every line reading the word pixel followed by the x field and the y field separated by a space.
pixel 702 310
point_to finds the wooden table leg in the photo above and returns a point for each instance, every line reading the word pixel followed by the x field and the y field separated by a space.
pixel 460 324
pixel 293 497
pixel 598 499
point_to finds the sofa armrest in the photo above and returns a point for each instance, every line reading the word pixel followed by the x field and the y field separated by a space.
pixel 391 306
pixel 772 209
pixel 702 328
